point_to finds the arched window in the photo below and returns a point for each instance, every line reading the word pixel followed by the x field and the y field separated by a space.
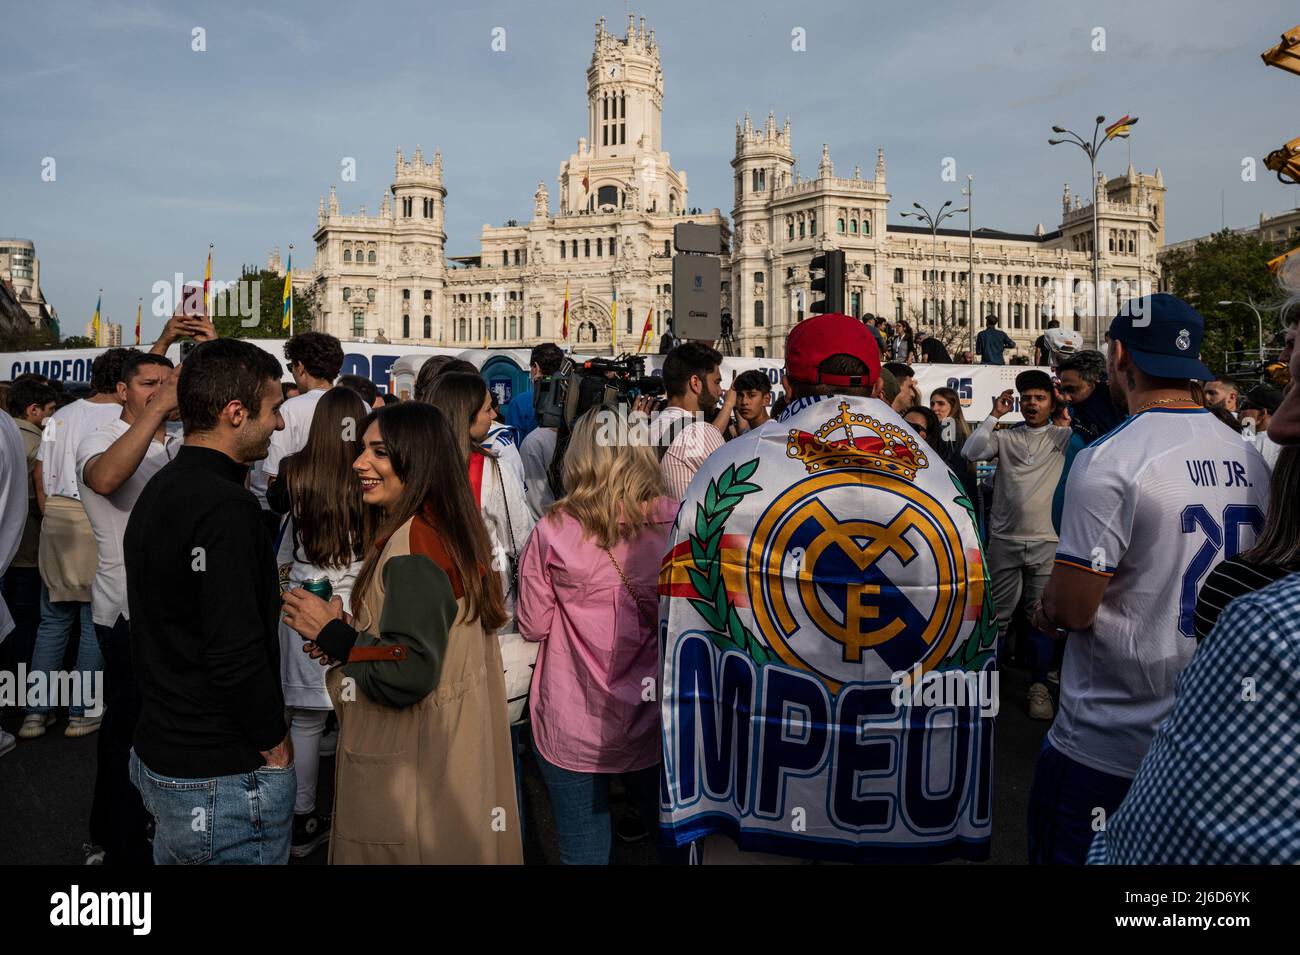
pixel 853 227
pixel 758 278
pixel 347 256
pixel 812 224
pixel 607 196
pixel 586 248
pixel 406 326
pixel 428 327
pixel 791 228
pixel 866 225
pixel 839 226
pixel 802 226
pixel 537 324
pixel 758 352
pixel 758 314
pixel 371 257
pixel 464 331
pixel 347 294
pixel 370 295
pixel 564 248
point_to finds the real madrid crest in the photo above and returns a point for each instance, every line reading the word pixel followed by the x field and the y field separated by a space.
pixel 1184 340
pixel 856 571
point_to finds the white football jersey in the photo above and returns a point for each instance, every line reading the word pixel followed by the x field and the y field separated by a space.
pixel 1154 505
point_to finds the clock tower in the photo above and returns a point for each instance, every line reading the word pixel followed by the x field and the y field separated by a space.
pixel 620 163
pixel 625 91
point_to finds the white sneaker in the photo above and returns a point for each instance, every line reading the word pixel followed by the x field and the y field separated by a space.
pixel 1040 702
pixel 1054 677
pixel 82 726
pixel 34 725
pixel 7 742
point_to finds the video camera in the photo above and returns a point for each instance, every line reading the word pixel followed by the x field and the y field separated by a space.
pixel 560 399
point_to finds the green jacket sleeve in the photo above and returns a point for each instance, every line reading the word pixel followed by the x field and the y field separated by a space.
pixel 419 609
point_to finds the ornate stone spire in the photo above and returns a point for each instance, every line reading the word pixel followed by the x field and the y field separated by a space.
pixel 384 211
pixel 320 211
pixel 334 202
pixel 541 202
pixel 825 170
pixel 857 172
pixel 1160 180
pixel 880 164
pixel 1065 198
pixel 397 171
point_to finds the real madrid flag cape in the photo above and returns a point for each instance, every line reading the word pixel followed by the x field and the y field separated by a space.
pixel 828 645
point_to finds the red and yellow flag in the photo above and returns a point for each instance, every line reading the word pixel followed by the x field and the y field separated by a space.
pixel 645 332
pixel 207 280
pixel 564 325
pixel 139 309
pixel 1121 127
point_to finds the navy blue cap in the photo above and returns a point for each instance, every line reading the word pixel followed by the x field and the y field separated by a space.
pixel 1163 334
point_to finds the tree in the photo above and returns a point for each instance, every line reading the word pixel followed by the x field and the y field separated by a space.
pixel 1228 266
pixel 259 293
pixel 78 341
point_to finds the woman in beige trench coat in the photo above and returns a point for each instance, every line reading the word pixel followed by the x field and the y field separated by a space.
pixel 424 769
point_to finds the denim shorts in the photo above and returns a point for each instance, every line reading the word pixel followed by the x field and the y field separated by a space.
pixel 244 819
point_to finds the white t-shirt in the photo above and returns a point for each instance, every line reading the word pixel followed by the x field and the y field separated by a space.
pixel 63 434
pixel 536 453
pixel 13 503
pixel 1267 447
pixel 1153 505
pixel 108 515
pixel 297 413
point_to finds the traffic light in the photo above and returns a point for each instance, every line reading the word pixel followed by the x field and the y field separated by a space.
pixel 830 283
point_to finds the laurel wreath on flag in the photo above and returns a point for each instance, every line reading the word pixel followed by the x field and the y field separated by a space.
pixel 981 644
pixel 722 497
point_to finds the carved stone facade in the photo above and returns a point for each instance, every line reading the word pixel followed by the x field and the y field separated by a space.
pixel 618 200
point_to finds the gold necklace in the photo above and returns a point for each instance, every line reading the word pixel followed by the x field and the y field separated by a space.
pixel 1166 401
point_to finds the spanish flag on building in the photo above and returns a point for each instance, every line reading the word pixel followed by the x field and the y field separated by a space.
pixel 564 322
pixel 613 320
pixel 645 332
pixel 139 310
pixel 94 322
pixel 1121 127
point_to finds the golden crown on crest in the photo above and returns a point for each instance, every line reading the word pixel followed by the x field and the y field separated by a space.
pixel 867 444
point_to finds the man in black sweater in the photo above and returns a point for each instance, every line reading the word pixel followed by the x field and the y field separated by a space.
pixel 212 758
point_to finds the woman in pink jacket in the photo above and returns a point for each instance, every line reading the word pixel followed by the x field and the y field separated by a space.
pixel 588 592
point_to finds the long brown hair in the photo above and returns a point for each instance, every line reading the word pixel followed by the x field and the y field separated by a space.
pixel 333 523
pixel 460 395
pixel 957 415
pixel 1279 542
pixel 426 457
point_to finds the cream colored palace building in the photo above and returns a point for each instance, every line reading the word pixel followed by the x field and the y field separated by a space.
pixel 611 231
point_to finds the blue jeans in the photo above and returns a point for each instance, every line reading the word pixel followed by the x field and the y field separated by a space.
pixel 580 804
pixel 1063 804
pixel 57 619
pixel 22 588
pixel 245 819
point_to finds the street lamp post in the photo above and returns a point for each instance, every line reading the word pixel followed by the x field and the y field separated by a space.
pixel 969 193
pixel 934 222
pixel 1091 150
pixel 1259 319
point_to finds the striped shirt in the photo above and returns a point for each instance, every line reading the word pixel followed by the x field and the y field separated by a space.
pixel 693 441
pixel 1221 782
pixel 1229 580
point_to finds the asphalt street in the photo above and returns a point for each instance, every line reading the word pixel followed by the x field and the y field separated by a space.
pixel 46 787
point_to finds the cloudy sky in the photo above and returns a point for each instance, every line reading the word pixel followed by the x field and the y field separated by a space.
pixel 160 150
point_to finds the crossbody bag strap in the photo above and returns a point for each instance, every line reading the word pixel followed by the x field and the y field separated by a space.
pixel 626 583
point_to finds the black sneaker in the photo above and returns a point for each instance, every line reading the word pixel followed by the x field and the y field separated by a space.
pixel 631 828
pixel 311 830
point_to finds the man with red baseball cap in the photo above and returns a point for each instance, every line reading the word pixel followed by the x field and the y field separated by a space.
pixel 829 353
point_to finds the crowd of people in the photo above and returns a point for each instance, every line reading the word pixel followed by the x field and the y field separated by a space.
pixel 269 574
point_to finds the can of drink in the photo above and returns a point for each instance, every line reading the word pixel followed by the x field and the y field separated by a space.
pixel 321 587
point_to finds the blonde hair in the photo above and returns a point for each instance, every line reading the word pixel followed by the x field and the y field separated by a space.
pixel 610 484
